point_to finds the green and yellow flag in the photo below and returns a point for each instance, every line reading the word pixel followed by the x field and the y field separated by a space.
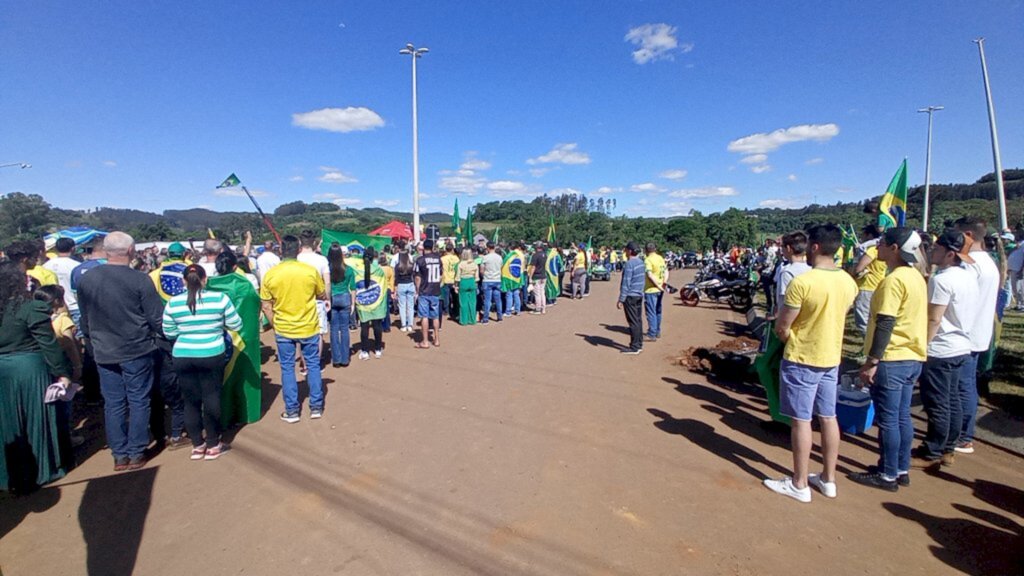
pixel 456 223
pixel 552 237
pixel 241 396
pixel 511 271
pixel 352 241
pixel 892 209
pixel 371 297
pixel 230 181
pixel 554 266
pixel 468 235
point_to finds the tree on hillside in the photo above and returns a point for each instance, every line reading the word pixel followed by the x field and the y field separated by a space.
pixel 291 209
pixel 23 214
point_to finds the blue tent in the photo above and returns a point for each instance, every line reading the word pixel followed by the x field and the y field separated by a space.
pixel 80 234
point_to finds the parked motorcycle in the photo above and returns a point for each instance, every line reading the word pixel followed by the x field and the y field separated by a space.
pixel 731 285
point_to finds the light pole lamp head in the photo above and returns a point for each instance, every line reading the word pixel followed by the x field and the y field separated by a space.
pixel 25 165
pixel 421 51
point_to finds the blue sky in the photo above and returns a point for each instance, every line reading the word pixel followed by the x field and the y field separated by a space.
pixel 664 106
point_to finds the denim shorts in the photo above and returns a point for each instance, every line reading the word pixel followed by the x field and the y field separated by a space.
pixel 808 391
pixel 429 307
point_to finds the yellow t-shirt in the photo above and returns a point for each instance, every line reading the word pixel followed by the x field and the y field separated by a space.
pixel 580 261
pixel 875 272
pixel 903 294
pixel 823 298
pixel 654 265
pixel 62 323
pixel 614 257
pixel 44 276
pixel 449 264
pixel 389 278
pixel 293 286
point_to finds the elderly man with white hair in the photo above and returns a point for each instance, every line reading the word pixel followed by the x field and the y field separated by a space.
pixel 211 249
pixel 121 316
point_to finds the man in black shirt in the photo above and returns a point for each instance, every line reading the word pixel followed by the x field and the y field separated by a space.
pixel 121 316
pixel 539 276
pixel 428 290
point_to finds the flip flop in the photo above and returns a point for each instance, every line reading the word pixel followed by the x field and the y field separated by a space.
pixel 422 347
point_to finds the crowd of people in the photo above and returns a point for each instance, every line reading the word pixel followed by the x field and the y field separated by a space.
pixel 151 333
pixel 927 308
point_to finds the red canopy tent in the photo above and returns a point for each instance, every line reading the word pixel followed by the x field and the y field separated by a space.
pixel 395 229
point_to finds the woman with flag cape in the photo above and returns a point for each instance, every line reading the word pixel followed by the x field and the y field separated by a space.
pixel 241 396
pixel 554 268
pixel 512 282
pixel 371 302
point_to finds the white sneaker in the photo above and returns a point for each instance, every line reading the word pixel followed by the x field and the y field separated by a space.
pixel 378 354
pixel 826 488
pixel 364 356
pixel 785 487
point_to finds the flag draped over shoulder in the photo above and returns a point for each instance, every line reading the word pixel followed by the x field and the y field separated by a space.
pixel 241 397
pixel 511 271
pixel 554 265
pixel 371 298
pixel 892 209
pixel 767 365
pixel 456 223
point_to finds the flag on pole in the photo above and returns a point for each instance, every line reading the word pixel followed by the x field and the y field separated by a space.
pixel 456 223
pixel 495 238
pixel 590 254
pixel 552 237
pixel 468 236
pixel 230 181
pixel 209 231
pixel 892 209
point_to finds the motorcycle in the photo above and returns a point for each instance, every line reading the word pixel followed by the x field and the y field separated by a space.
pixel 734 286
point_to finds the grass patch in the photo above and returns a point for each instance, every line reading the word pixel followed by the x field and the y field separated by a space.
pixel 1006 388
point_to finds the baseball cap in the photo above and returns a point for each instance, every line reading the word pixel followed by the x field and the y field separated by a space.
pixel 632 247
pixel 956 241
pixel 907 240
pixel 1008 236
pixel 175 249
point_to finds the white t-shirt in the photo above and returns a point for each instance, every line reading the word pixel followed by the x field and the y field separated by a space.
pixel 786 274
pixel 983 315
pixel 265 262
pixel 62 267
pixel 491 267
pixel 316 261
pixel 210 267
pixel 954 288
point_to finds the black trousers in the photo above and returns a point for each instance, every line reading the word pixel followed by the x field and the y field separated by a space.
pixel 166 395
pixel 201 380
pixel 364 336
pixel 634 306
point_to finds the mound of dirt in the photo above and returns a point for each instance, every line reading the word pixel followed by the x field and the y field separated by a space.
pixel 730 359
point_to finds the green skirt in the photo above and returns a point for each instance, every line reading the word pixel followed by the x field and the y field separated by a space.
pixel 28 427
pixel 467 301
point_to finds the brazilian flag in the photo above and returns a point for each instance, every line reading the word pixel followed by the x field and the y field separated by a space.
pixel 511 271
pixel 553 267
pixel 169 279
pixel 241 396
pixel 371 297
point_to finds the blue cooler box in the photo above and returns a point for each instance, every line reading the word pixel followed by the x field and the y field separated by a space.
pixel 854 409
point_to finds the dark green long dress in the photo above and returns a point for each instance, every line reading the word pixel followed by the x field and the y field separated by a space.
pixel 30 360
pixel 467 301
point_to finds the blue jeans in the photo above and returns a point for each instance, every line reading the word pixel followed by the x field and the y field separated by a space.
pixel 126 388
pixel 891 393
pixel 289 386
pixel 492 292
pixel 939 383
pixel 652 306
pixel 513 301
pixel 406 299
pixel 341 347
pixel 968 394
pixel 385 322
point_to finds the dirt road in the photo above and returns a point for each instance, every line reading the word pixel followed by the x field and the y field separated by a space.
pixel 530 447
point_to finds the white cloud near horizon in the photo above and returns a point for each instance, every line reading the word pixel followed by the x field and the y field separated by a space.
pixel 780 203
pixel 562 154
pixel 387 203
pixel 350 119
pixel 655 42
pixel 235 192
pixel 606 191
pixel 674 174
pixel 333 175
pixel 646 187
pixel 764 142
pixel 706 192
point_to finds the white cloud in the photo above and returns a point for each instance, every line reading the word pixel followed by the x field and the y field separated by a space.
pixel 791 178
pixel 814 161
pixel 468 185
pixel 296 179
pixel 760 169
pixel 387 203
pixel 475 164
pixel 754 159
pixel 560 191
pixel 654 42
pixel 562 154
pixel 706 192
pixel 674 174
pixel 205 207
pixel 765 142
pixel 606 191
pixel 780 203
pixel 110 163
pixel 349 119
pixel 335 176
pixel 238 192
pixel 646 187
pixel 505 186
pixel 676 208
pixel 337 199
pixel 538 172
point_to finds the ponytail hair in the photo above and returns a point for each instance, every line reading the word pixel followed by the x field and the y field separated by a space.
pixel 194 276
pixel 369 255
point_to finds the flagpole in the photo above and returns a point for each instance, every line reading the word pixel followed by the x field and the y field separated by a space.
pixel 928 165
pixel 266 219
pixel 995 137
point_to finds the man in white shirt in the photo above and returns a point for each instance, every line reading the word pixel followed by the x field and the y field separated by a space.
pixel 794 248
pixel 62 266
pixel 952 292
pixel 211 249
pixel 307 255
pixel 266 261
pixel 980 327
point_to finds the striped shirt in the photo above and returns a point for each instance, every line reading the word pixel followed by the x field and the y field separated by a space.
pixel 199 335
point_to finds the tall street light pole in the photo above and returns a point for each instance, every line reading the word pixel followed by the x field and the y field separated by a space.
pixel 415 53
pixel 928 164
pixel 995 137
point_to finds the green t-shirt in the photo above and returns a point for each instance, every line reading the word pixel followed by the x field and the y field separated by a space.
pixel 346 285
